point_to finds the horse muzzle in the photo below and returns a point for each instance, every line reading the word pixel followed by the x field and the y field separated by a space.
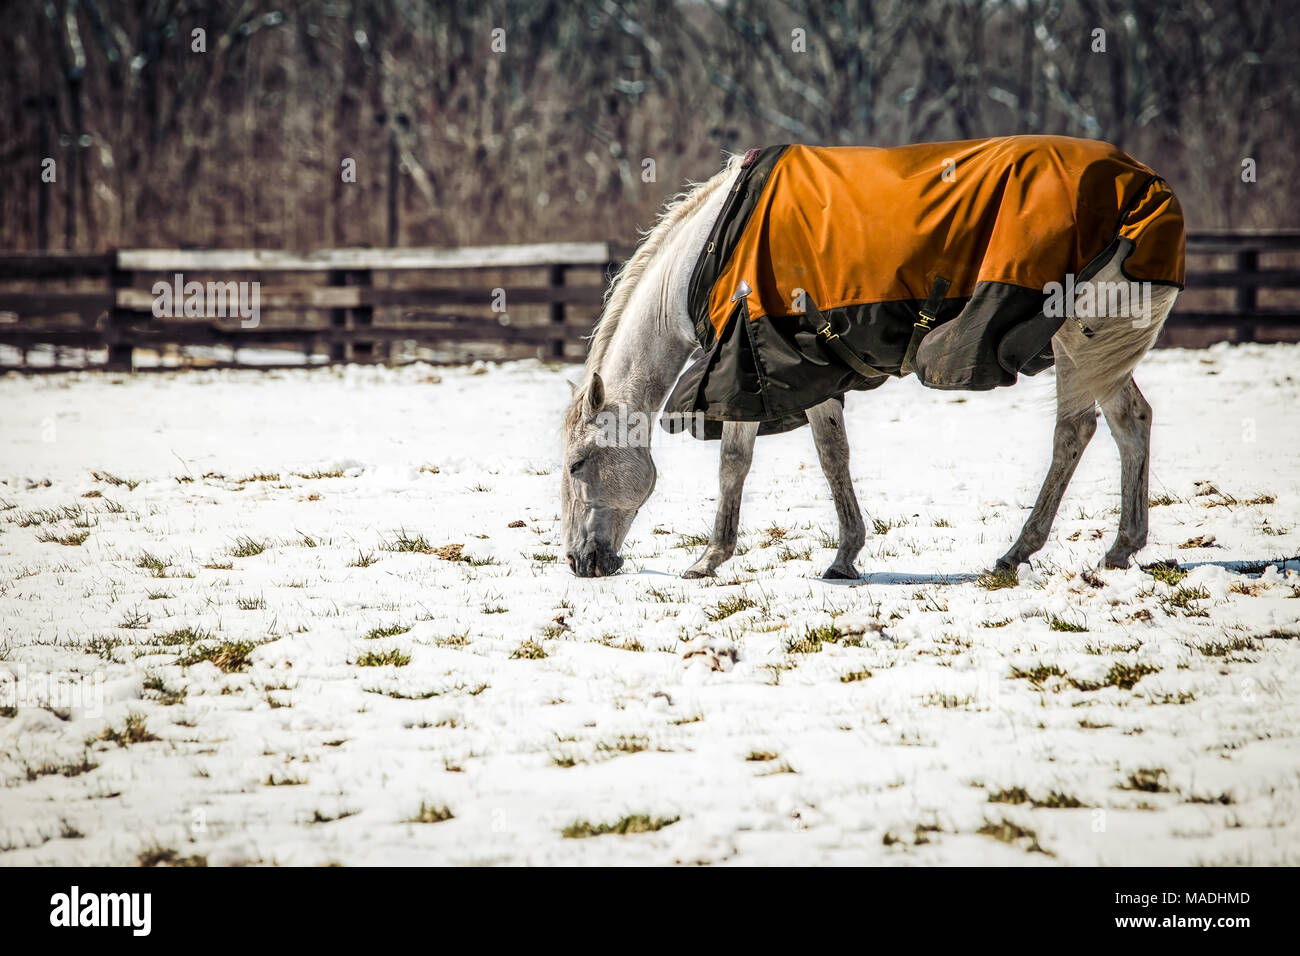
pixel 598 561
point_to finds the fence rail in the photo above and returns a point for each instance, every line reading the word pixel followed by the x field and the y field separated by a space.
pixel 329 305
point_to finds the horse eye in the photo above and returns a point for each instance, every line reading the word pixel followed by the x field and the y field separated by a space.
pixel 577 466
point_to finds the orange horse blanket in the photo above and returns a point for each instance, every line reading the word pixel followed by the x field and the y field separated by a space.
pixel 861 241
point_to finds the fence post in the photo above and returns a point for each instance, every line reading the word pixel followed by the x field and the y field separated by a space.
pixel 557 310
pixel 1247 265
pixel 363 350
pixel 338 319
pixel 351 349
pixel 121 351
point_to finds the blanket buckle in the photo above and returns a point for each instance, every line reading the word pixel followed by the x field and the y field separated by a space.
pixel 846 354
pixel 927 316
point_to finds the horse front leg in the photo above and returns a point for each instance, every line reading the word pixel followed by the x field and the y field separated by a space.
pixel 827 420
pixel 737 453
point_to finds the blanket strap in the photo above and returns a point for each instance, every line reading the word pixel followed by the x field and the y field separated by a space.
pixel 924 323
pixel 837 345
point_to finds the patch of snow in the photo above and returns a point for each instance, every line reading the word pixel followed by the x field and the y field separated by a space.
pixel 337 685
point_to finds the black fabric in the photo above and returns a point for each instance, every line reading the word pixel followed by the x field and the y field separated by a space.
pixel 726 231
pixel 680 416
pixel 830 335
pixel 1001 329
pixel 771 371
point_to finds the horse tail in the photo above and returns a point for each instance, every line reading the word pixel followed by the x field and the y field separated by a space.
pixel 1105 355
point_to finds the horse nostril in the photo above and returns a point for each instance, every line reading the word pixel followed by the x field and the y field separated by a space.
pixel 573 562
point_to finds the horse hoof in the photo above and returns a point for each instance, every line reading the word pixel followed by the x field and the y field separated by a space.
pixel 691 574
pixel 841 574
pixel 1115 563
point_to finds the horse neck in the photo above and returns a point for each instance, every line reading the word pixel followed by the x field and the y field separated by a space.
pixel 655 336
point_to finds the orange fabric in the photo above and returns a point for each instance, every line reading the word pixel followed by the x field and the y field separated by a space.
pixel 856 225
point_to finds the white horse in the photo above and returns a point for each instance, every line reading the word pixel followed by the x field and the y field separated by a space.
pixel 645 337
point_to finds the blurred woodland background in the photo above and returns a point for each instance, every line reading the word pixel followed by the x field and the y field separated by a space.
pixel 463 135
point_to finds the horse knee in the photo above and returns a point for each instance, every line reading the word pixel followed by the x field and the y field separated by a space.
pixel 735 457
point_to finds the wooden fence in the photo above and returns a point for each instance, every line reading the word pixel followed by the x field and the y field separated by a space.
pixel 375 305
pixel 334 305
pixel 1241 287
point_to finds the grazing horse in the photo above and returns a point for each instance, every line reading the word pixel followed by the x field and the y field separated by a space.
pixel 796 274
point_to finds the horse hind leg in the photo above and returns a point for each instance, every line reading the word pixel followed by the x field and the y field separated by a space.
pixel 1107 361
pixel 827 420
pixel 1129 418
pixel 737 454
pixel 1074 429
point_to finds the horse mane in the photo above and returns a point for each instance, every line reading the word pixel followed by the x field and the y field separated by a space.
pixel 677 209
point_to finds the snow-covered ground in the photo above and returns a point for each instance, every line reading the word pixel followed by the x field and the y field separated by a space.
pixel 194 679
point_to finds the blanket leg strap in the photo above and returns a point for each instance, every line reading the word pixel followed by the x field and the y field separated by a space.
pixel 924 323
pixel 841 348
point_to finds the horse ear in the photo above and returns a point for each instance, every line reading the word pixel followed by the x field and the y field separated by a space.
pixel 595 394
pixel 574 388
